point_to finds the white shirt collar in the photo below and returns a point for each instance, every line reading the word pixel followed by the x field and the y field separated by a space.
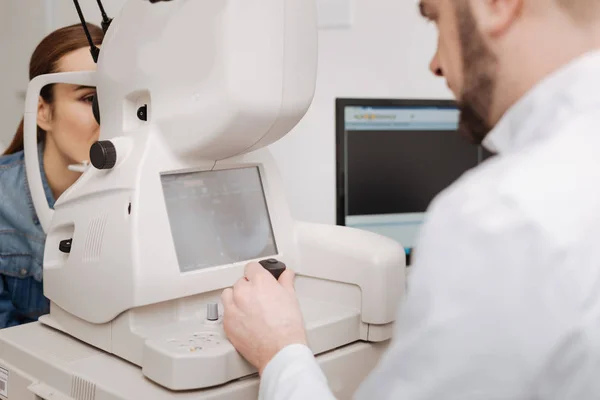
pixel 575 85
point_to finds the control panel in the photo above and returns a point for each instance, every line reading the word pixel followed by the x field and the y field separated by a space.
pixel 199 356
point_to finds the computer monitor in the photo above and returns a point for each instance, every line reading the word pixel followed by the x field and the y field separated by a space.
pixel 393 158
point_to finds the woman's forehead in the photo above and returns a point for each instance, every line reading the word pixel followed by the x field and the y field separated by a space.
pixel 77 60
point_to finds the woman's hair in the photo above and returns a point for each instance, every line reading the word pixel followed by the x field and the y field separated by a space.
pixel 45 60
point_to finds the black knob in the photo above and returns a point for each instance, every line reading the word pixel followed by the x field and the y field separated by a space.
pixel 65 245
pixel 103 154
pixel 142 113
pixel 275 267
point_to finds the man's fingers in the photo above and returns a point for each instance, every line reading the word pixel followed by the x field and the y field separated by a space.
pixel 254 271
pixel 240 292
pixel 286 279
pixel 227 298
pixel 230 311
pixel 229 308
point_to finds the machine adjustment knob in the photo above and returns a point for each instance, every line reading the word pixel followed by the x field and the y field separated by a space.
pixel 103 154
pixel 212 312
pixel 65 245
pixel 275 267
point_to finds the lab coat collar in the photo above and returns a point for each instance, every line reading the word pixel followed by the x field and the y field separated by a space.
pixel 529 120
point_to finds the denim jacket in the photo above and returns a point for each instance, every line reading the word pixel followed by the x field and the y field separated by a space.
pixel 22 240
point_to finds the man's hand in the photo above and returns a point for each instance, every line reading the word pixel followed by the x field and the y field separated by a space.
pixel 262 316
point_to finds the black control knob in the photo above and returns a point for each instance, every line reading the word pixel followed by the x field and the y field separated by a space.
pixel 65 245
pixel 142 113
pixel 275 267
pixel 103 154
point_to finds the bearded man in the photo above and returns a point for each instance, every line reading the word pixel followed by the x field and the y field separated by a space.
pixel 503 299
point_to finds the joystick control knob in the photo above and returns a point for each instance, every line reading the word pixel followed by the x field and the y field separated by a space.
pixel 275 267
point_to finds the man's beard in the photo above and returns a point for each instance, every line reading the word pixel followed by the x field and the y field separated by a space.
pixel 479 78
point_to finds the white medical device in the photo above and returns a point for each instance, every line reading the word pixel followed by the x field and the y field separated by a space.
pixel 182 193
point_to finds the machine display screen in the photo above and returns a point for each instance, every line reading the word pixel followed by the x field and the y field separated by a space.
pixel 218 217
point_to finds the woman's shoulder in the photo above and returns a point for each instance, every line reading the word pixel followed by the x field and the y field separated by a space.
pixel 12 175
pixel 14 194
pixel 12 161
pixel 21 240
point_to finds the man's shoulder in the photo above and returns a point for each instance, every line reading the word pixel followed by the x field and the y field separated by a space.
pixel 477 190
pixel 553 186
pixel 475 203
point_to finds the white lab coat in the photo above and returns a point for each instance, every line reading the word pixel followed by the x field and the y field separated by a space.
pixel 503 300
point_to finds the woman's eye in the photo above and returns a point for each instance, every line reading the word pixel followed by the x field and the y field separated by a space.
pixel 88 99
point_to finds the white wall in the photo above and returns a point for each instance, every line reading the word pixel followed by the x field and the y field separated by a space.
pixel 21 28
pixel 64 12
pixel 385 54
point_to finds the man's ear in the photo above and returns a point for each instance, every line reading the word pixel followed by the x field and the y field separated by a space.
pixel 495 16
pixel 44 115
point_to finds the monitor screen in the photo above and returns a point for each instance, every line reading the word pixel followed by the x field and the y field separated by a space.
pixel 218 217
pixel 393 159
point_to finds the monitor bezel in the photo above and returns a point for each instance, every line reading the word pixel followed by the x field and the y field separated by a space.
pixel 340 137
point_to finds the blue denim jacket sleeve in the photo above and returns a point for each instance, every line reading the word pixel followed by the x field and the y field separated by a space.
pixel 8 312
pixel 16 309
pixel 22 298
pixel 22 240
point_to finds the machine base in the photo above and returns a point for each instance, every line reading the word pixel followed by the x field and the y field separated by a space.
pixel 37 361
